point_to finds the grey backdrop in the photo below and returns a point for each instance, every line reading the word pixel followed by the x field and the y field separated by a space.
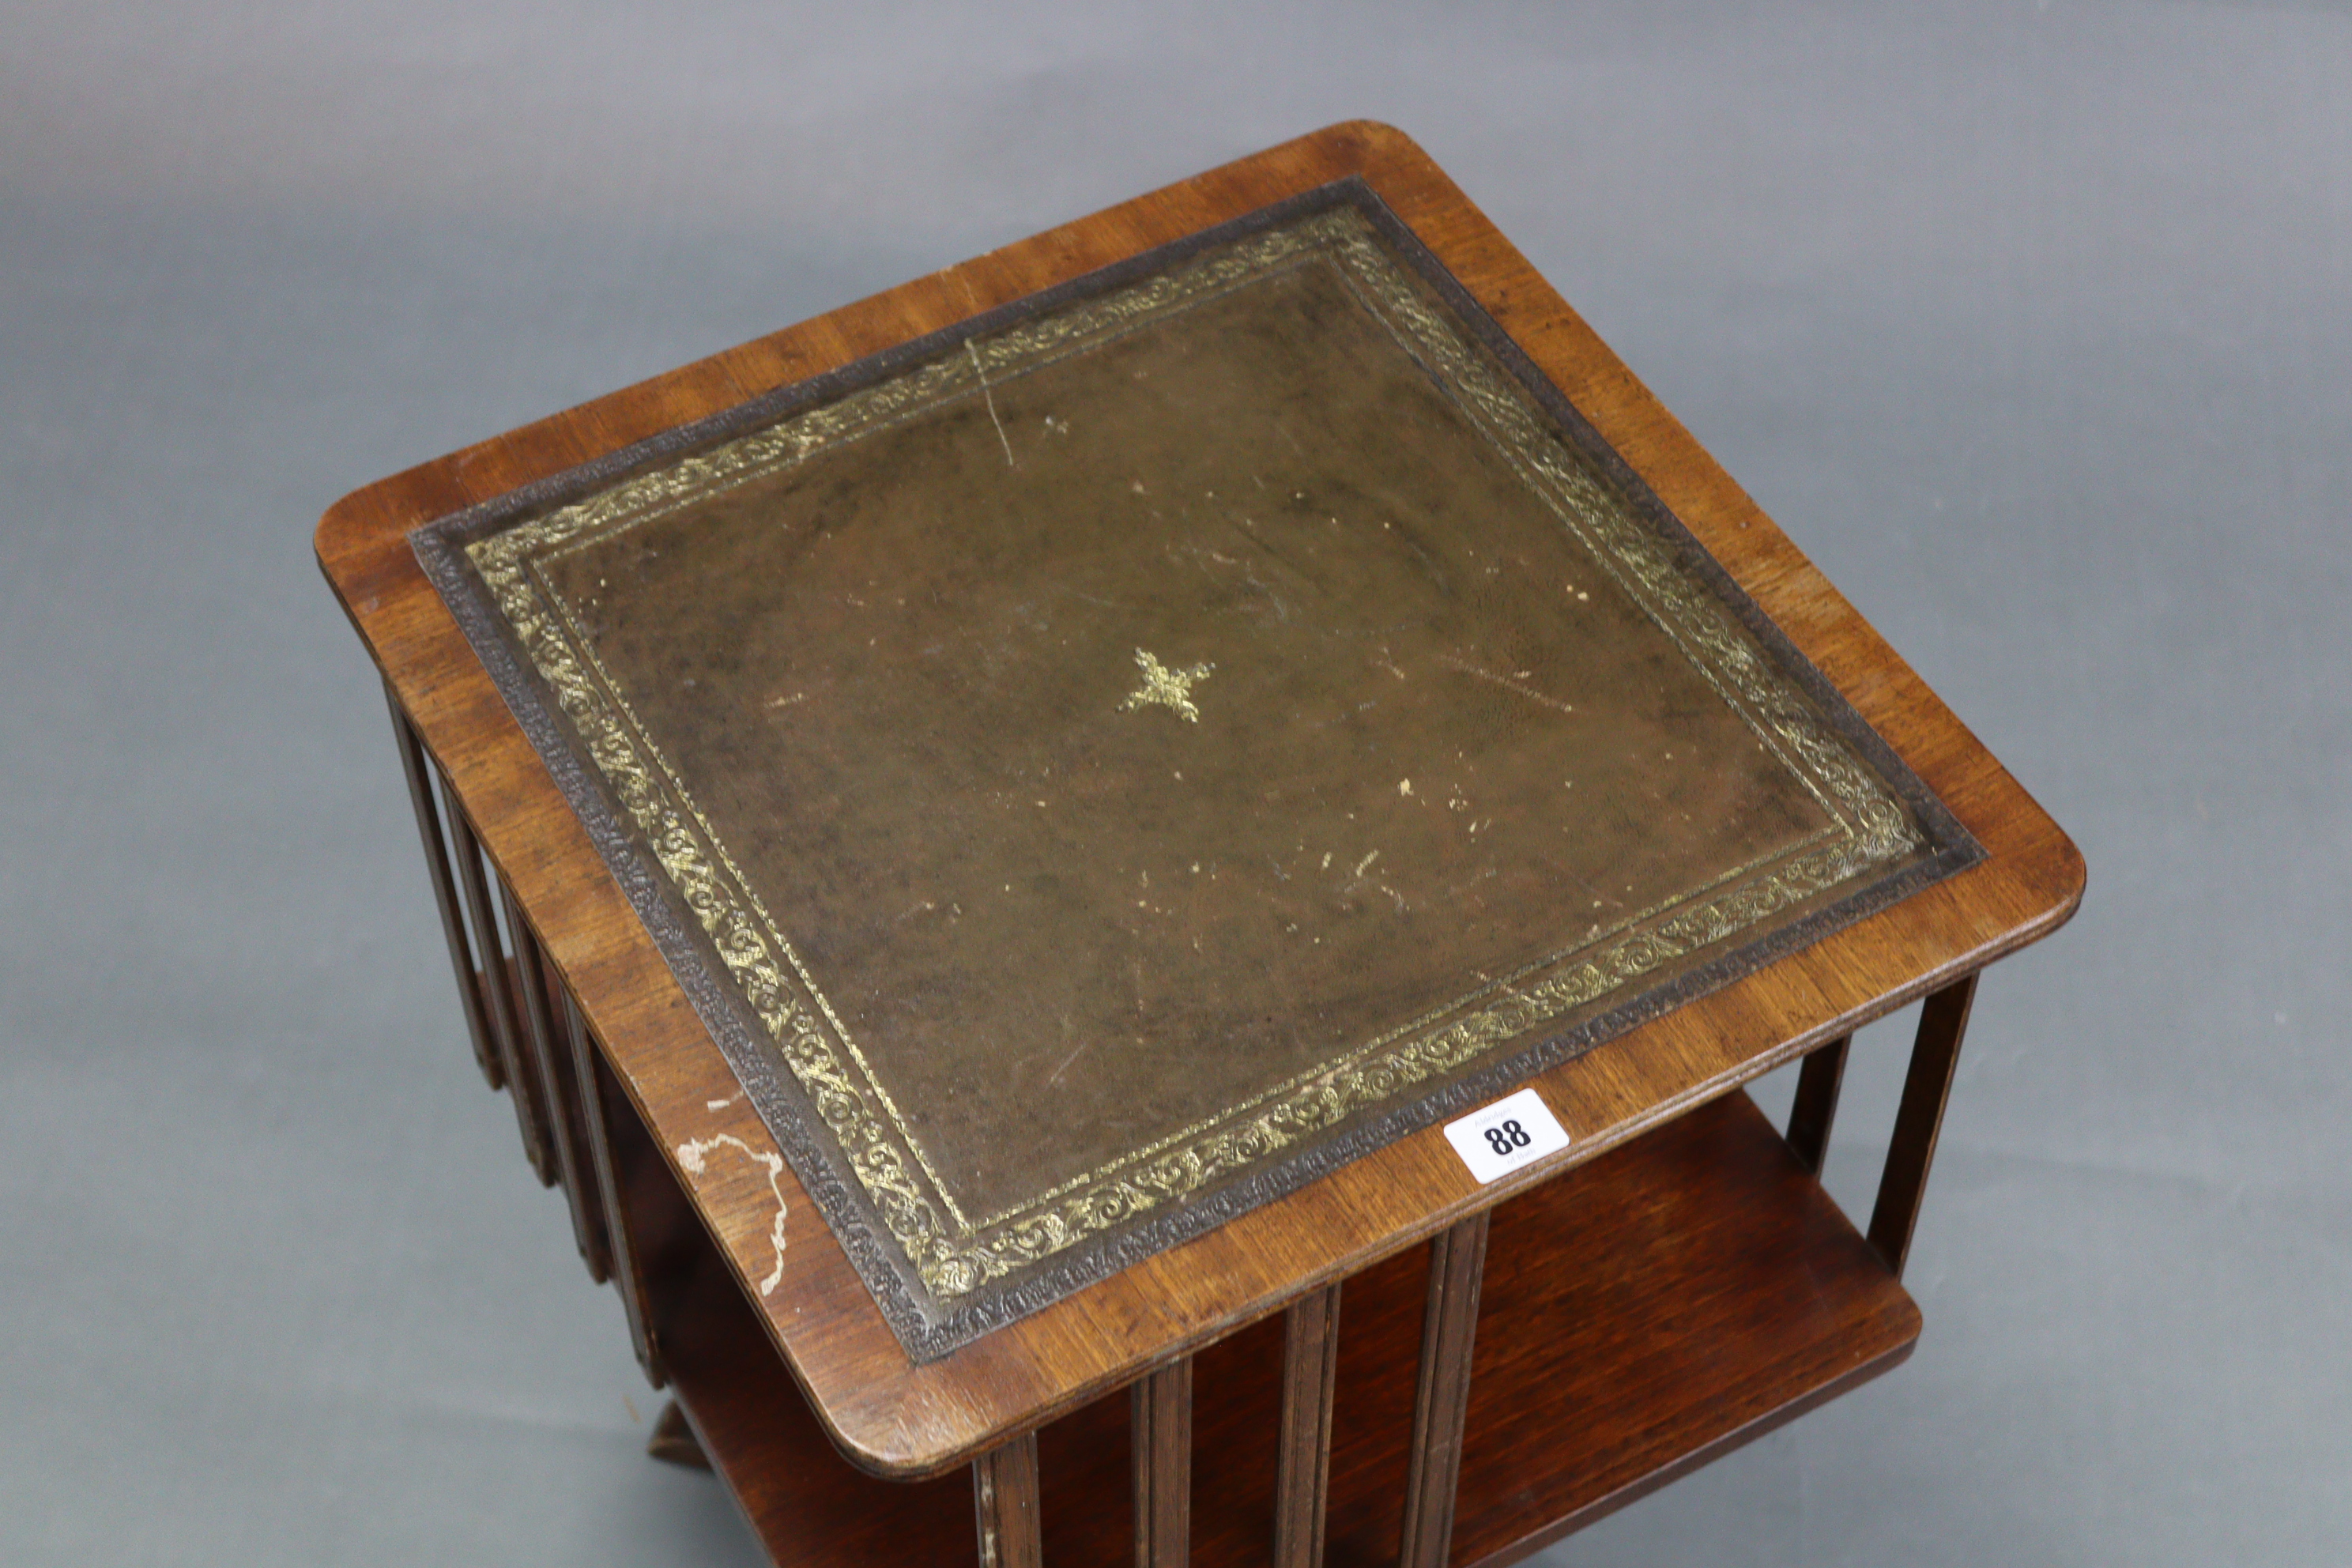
pixel 2029 321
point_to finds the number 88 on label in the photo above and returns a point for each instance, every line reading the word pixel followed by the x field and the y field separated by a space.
pixel 1509 1135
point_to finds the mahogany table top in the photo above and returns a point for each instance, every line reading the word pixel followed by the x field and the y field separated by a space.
pixel 1092 756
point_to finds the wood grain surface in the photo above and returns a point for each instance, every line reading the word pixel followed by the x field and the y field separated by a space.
pixel 1160 1439
pixel 1302 1471
pixel 1440 1400
pixel 897 1419
pixel 1815 1109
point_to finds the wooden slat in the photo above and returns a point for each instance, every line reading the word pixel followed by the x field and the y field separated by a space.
pixel 1160 1438
pixel 1920 1120
pixel 526 1080
pixel 536 1039
pixel 1816 1104
pixel 1005 1504
pixel 500 1004
pixel 616 1153
pixel 592 1223
pixel 550 1011
pixel 1310 1368
pixel 1457 1261
pixel 418 772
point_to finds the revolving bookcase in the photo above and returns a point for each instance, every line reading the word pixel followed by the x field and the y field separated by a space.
pixel 999 839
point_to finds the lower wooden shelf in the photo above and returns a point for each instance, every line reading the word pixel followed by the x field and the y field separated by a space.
pixel 1641 1315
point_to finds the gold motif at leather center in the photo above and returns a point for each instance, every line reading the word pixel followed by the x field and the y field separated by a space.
pixel 1167 688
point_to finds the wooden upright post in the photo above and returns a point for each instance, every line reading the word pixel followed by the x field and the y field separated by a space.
pixel 1816 1107
pixel 418 770
pixel 1310 1366
pixel 1449 1325
pixel 1005 1497
pixel 1161 1424
pixel 1934 1058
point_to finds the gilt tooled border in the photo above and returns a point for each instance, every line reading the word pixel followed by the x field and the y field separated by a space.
pixel 948 1256
pixel 1655 563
